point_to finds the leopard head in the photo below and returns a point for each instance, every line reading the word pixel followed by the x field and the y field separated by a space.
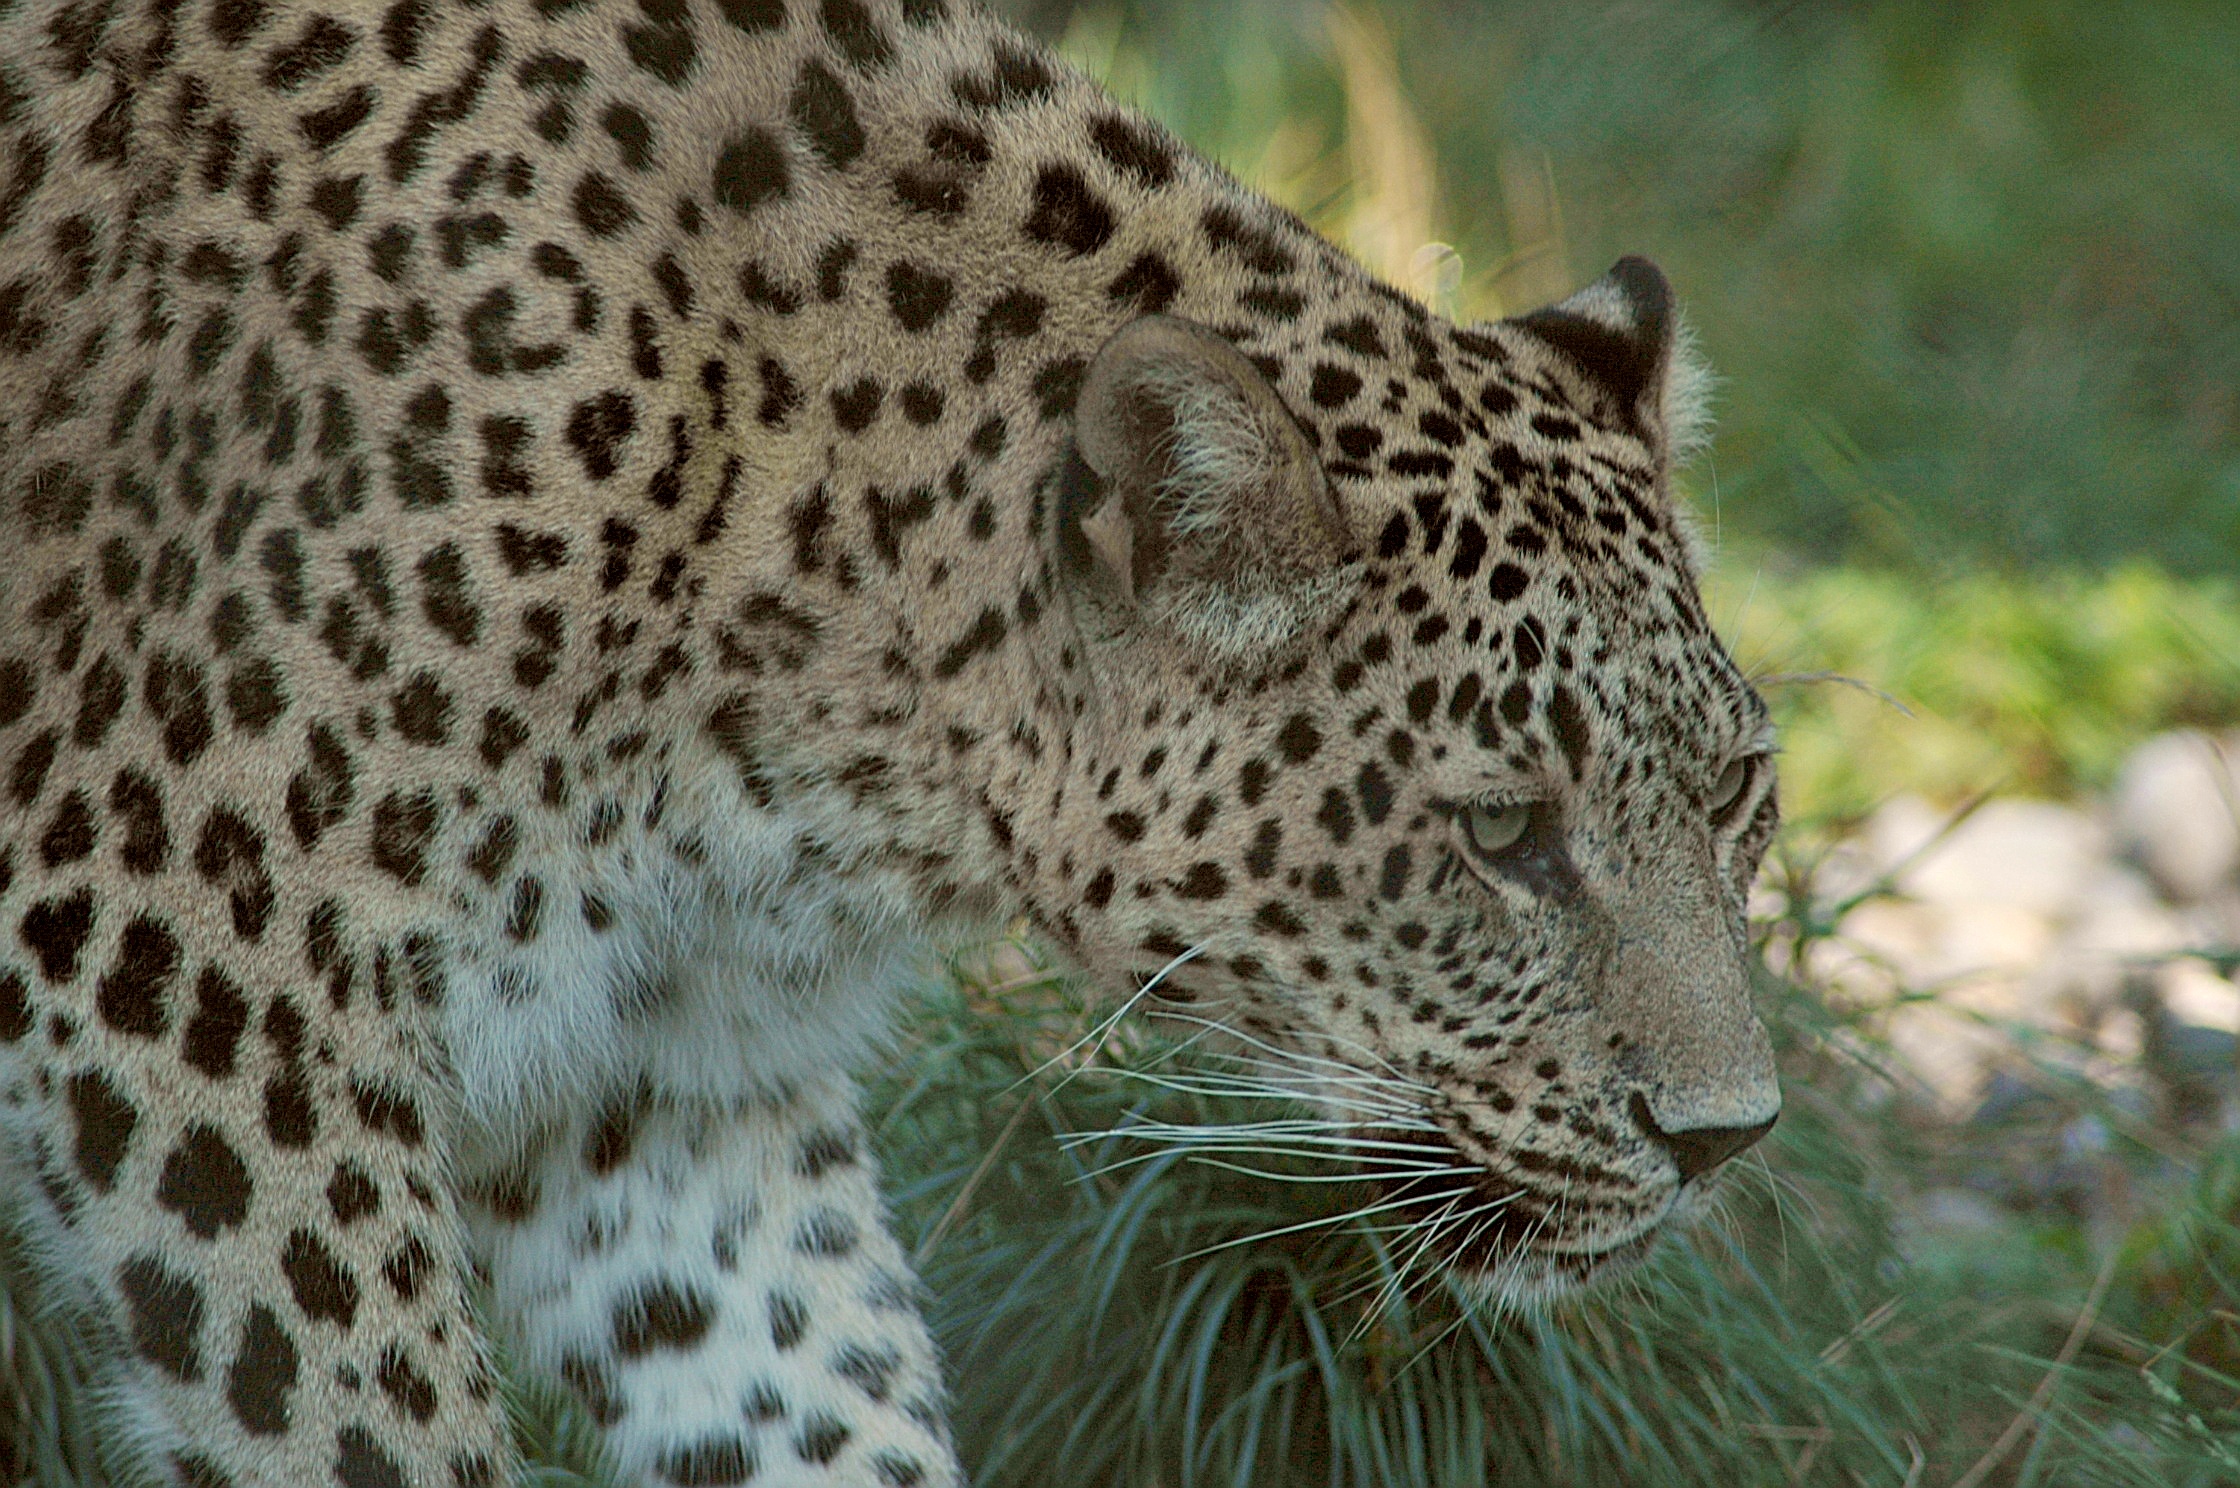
pixel 1413 761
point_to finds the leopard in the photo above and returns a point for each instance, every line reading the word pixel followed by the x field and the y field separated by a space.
pixel 556 551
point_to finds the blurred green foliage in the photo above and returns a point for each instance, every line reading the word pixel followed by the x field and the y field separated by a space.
pixel 1887 682
pixel 1971 273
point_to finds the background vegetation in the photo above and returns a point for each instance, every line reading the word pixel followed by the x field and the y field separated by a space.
pixel 1970 276
pixel 1970 271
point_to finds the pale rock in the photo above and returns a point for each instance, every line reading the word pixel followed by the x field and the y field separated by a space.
pixel 2119 924
pixel 1948 1052
pixel 2194 993
pixel 2176 810
pixel 2028 855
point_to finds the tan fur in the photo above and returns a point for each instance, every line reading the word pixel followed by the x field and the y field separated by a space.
pixel 546 547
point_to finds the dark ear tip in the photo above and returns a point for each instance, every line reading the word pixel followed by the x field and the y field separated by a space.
pixel 1618 329
pixel 1646 291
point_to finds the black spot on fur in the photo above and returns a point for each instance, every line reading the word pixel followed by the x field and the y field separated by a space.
pixel 263 1374
pixel 664 47
pixel 918 296
pixel 820 1438
pixel 360 1462
pixel 387 1112
pixel 1017 76
pixel 351 1194
pixel 825 1150
pixel 213 1034
pixel 751 170
pixel 70 832
pixel 823 111
pixel 166 1317
pixel 789 1320
pixel 131 996
pixel 406 1270
pixel 1133 148
pixel 205 1183
pixel 855 35
pixel 1256 248
pixel 987 634
pixel 106 1121
pixel 753 16
pixel 15 1008
pixel 413 1392
pixel 608 1144
pixel 1067 213
pixel 661 1314
pixel 403 829
pixel 597 427
pixel 100 699
pixel 324 1288
pixel 177 695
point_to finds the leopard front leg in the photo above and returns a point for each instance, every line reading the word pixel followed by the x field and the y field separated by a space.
pixel 717 1284
pixel 257 1237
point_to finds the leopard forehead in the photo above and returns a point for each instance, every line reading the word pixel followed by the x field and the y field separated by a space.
pixel 506 504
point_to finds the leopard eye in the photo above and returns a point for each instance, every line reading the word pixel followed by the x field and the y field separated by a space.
pixel 1732 782
pixel 1492 831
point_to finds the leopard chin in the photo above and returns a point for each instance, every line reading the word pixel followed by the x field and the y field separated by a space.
pixel 1508 1245
pixel 1538 1279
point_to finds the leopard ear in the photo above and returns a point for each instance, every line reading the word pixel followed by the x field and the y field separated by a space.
pixel 1197 503
pixel 1625 333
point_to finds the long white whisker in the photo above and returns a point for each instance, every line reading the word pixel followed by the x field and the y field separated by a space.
pixel 1229 1088
pixel 1103 1031
pixel 1312 1224
pixel 1295 1057
pixel 1174 1134
pixel 1387 1168
pixel 1401 1175
pixel 1426 1230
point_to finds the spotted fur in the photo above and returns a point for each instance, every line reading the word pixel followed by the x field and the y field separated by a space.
pixel 547 545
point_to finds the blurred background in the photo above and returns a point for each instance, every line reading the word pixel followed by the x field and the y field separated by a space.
pixel 1970 271
pixel 1970 278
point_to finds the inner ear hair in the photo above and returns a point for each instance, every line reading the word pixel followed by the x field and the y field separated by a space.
pixel 1215 521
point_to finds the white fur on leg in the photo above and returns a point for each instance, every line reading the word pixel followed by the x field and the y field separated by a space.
pixel 718 1285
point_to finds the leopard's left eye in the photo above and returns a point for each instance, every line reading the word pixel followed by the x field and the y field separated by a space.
pixel 1731 783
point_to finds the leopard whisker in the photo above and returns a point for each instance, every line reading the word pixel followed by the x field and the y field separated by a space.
pixel 1320 1222
pixel 1102 1032
pixel 1296 1058
pixel 1237 1088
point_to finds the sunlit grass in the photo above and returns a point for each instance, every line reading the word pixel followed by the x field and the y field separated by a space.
pixel 2029 686
pixel 1103 1326
pixel 1967 272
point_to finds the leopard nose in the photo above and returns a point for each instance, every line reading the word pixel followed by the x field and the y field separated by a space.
pixel 1700 1149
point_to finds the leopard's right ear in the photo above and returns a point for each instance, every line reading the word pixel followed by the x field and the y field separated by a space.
pixel 1196 502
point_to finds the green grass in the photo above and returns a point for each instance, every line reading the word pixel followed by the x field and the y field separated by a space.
pixel 1099 1336
pixel 2039 686
pixel 1121 1324
pixel 1968 271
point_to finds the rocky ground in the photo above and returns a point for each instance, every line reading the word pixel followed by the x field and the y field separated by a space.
pixel 2064 974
